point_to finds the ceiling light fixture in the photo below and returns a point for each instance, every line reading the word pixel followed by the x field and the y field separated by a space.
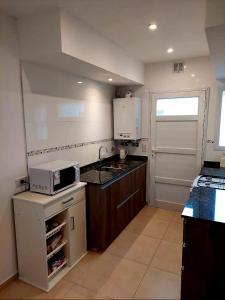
pixel 109 79
pixel 193 75
pixel 80 82
pixel 152 26
pixel 170 50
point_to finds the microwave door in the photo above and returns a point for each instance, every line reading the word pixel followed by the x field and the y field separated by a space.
pixel 64 178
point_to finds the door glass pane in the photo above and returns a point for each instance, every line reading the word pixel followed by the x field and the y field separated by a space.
pixel 222 123
pixel 177 106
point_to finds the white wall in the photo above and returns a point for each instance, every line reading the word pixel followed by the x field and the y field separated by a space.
pixel 159 77
pixel 81 41
pixel 12 150
pixel 59 112
pixel 75 47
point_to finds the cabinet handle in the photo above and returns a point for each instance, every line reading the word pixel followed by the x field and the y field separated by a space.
pixel 72 223
pixel 67 201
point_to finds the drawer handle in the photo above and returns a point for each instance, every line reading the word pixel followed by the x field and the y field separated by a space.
pixel 68 200
pixel 72 223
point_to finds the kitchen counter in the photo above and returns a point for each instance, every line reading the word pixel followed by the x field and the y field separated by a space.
pixel 203 260
pixel 215 172
pixel 96 174
pixel 205 204
pixel 114 197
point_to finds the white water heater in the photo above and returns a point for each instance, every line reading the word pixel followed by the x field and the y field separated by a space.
pixel 127 118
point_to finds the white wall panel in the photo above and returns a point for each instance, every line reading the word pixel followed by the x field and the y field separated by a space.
pixel 176 165
pixel 171 193
pixel 60 112
pixel 12 150
pixel 176 134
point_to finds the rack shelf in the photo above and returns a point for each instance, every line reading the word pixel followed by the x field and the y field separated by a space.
pixel 55 230
pixel 50 276
pixel 56 250
pixel 56 246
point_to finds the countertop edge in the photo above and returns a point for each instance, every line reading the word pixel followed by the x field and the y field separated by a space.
pixel 42 199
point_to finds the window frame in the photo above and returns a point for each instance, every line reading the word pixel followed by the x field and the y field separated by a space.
pixel 219 111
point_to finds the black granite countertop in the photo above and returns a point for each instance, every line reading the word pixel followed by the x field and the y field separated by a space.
pixel 101 173
pixel 206 203
pixel 214 172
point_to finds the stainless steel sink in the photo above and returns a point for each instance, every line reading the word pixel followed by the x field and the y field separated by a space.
pixel 113 167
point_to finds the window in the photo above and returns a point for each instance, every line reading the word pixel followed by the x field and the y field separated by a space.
pixel 177 106
pixel 222 122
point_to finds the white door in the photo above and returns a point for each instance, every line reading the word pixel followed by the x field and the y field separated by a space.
pixel 77 231
pixel 176 146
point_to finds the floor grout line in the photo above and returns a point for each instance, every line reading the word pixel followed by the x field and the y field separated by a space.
pixel 146 265
pixel 146 270
pixel 166 271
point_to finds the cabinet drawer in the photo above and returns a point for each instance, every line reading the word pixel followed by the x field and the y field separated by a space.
pixel 63 203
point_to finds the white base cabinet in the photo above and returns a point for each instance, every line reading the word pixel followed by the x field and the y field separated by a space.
pixel 50 234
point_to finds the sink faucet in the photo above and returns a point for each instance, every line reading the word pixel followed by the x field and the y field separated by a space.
pixel 99 152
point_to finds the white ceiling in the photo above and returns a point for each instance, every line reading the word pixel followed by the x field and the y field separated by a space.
pixel 181 23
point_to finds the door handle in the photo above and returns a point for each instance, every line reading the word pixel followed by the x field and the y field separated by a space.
pixel 72 223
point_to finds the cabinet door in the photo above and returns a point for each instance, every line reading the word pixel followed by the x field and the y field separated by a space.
pixel 77 231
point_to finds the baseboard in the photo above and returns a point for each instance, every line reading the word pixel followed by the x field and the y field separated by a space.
pixel 8 281
pixel 169 205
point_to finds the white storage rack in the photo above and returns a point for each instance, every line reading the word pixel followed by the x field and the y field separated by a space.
pixel 32 212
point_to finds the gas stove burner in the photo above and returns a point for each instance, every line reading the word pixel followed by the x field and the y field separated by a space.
pixel 210 182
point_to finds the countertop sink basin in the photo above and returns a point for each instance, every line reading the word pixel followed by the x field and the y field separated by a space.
pixel 112 167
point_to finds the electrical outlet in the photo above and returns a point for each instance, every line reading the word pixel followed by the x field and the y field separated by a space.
pixel 144 148
pixel 19 181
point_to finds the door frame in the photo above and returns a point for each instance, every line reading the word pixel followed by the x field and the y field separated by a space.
pixel 202 124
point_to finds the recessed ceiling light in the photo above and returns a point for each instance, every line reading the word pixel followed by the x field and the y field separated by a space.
pixel 185 67
pixel 109 79
pixel 193 75
pixel 152 26
pixel 79 82
pixel 170 50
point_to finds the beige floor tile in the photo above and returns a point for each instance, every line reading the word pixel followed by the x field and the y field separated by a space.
pixel 148 211
pixel 168 257
pixel 138 224
pixel 139 248
pixel 174 233
pixel 78 292
pixel 156 228
pixel 158 284
pixel 124 280
pixel 108 275
pixel 164 215
pixel 177 218
pixel 17 290
pixel 57 292
pixel 20 290
pixel 94 271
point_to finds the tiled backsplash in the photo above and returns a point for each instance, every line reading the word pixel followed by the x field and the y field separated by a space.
pixel 65 121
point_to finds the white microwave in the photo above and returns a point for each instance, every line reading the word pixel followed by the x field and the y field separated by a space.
pixel 53 177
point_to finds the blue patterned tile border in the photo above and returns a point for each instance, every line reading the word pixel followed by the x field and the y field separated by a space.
pixel 61 148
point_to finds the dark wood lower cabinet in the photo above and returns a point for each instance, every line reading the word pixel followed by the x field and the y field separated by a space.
pixel 111 208
pixel 203 262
